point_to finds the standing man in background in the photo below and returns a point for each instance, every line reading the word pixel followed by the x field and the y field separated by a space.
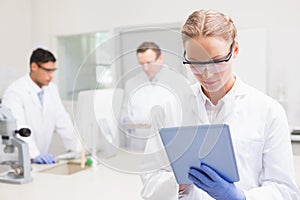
pixel 143 92
pixel 35 103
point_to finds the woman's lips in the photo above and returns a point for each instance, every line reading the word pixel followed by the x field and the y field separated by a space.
pixel 209 82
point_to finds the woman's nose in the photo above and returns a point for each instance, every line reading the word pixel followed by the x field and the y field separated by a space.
pixel 207 74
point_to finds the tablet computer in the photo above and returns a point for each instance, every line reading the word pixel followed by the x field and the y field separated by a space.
pixel 192 145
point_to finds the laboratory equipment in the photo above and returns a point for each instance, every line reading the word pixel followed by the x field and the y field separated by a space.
pixel 95 119
pixel 21 168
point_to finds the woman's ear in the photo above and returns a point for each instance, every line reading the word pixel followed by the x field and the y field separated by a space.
pixel 235 49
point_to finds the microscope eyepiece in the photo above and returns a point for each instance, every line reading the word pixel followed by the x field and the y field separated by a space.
pixel 24 132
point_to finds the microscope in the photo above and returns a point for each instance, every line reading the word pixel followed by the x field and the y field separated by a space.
pixel 21 168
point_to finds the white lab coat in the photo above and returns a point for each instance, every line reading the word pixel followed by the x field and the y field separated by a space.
pixel 262 145
pixel 21 97
pixel 140 96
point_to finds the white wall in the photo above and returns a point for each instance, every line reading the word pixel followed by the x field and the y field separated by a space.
pixel 15 40
pixel 281 19
pixel 51 18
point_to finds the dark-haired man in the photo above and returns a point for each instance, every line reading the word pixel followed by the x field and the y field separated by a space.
pixel 35 103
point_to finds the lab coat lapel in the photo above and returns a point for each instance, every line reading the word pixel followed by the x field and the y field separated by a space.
pixel 229 112
pixel 33 90
pixel 228 109
pixel 35 98
pixel 201 113
pixel 226 112
pixel 231 108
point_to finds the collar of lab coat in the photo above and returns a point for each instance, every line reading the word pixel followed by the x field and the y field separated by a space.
pixel 159 76
pixel 236 91
pixel 33 86
pixel 33 90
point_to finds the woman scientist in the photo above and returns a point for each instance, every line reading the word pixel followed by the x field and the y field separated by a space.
pixel 258 123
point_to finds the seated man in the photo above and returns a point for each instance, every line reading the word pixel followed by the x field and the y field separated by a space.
pixel 35 103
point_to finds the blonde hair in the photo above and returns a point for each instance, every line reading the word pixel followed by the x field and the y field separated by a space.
pixel 208 23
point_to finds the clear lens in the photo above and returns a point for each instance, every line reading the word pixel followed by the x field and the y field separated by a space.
pixel 213 68
pixel 149 64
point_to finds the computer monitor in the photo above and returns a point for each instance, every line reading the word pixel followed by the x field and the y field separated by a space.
pixel 96 120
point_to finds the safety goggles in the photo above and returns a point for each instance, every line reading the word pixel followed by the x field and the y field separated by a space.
pixel 46 69
pixel 147 64
pixel 214 66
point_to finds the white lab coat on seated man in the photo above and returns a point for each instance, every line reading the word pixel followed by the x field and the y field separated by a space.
pixel 43 121
pixel 260 137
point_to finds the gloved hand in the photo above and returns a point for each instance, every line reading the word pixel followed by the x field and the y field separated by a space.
pixel 208 180
pixel 45 158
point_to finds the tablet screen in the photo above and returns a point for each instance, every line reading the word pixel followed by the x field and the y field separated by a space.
pixel 192 145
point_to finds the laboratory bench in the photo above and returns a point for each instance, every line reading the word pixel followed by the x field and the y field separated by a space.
pixel 98 182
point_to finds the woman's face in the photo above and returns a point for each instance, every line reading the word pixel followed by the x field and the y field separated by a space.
pixel 214 77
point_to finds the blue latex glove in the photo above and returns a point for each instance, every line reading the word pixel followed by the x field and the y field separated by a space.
pixel 45 158
pixel 208 180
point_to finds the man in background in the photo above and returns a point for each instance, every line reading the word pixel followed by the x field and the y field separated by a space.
pixel 143 92
pixel 35 103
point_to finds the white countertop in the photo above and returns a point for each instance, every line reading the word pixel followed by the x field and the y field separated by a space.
pixel 92 183
pixel 100 182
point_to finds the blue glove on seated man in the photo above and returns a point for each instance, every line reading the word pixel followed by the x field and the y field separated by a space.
pixel 208 180
pixel 45 158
